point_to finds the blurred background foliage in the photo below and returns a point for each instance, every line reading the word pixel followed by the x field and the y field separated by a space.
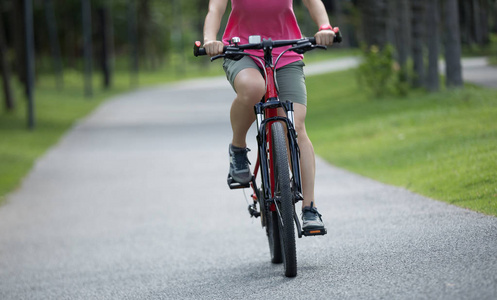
pixel 147 35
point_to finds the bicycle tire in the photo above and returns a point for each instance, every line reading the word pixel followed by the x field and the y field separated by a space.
pixel 285 205
pixel 273 236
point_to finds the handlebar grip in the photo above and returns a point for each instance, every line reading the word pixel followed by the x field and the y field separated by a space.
pixel 338 35
pixel 337 39
pixel 197 50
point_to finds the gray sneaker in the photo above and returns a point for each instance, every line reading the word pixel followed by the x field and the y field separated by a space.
pixel 311 219
pixel 239 165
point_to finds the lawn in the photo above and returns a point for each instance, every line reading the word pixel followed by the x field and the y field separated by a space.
pixel 440 145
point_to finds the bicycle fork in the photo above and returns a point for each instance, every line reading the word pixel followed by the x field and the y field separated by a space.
pixel 265 148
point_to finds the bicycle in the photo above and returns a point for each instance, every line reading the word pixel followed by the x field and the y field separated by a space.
pixel 278 158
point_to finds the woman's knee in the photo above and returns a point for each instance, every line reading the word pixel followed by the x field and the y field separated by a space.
pixel 300 112
pixel 250 86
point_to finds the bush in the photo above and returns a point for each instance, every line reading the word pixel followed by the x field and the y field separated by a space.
pixel 380 74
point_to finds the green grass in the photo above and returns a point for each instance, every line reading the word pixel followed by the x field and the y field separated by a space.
pixel 440 145
pixel 331 53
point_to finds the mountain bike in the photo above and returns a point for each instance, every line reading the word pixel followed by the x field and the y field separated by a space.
pixel 278 158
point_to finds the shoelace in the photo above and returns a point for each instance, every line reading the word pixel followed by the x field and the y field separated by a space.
pixel 312 210
pixel 240 159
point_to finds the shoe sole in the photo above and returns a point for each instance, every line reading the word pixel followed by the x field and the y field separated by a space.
pixel 233 184
pixel 314 231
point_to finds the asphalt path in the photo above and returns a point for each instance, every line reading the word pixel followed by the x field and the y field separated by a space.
pixel 132 203
pixel 477 70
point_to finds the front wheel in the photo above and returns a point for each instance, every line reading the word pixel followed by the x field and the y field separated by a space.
pixel 284 200
pixel 273 236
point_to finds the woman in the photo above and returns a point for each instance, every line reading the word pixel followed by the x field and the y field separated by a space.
pixel 273 19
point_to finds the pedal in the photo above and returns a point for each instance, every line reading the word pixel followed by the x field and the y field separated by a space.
pixel 235 185
pixel 312 232
pixel 298 196
pixel 253 211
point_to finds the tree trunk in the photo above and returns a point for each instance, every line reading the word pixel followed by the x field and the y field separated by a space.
pixel 466 22
pixel 374 23
pixel 178 37
pixel 433 40
pixel 87 47
pixel 477 30
pixel 133 43
pixel 54 43
pixel 485 26
pixel 495 16
pixel 29 61
pixel 9 102
pixel 366 10
pixel 417 24
pixel 337 20
pixel 452 44
pixel 106 40
pixel 403 38
pixel 144 34
pixel 392 23
pixel 19 40
pixel 204 6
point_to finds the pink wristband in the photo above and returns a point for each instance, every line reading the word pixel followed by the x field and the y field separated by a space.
pixel 325 27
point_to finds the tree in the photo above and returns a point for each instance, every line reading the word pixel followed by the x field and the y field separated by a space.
pixel 418 31
pixel 87 46
pixel 132 42
pixel 143 29
pixel 335 9
pixel 433 39
pixel 402 13
pixel 54 42
pixel 452 44
pixel 374 23
pixel 19 40
pixel 106 40
pixel 474 21
pixel 30 60
pixel 4 68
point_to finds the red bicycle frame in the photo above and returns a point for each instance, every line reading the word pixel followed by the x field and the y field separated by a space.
pixel 270 112
pixel 267 113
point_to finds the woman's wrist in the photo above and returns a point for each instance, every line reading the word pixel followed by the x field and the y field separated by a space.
pixel 325 27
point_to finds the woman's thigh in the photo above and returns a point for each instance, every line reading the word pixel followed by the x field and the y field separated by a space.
pixel 291 83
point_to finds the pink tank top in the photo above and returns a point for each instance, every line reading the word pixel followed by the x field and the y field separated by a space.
pixel 268 18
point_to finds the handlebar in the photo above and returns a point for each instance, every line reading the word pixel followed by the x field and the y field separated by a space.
pixel 303 43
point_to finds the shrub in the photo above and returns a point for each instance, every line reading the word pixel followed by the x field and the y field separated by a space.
pixel 380 74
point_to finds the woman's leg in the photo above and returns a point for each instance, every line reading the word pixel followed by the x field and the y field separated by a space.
pixel 250 88
pixel 311 218
pixel 291 81
pixel 307 158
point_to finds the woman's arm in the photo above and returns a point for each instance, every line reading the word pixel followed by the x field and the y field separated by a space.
pixel 211 26
pixel 318 14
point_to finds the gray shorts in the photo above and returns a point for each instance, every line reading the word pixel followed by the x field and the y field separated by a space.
pixel 290 78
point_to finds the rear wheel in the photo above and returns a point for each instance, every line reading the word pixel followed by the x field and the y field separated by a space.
pixel 273 236
pixel 285 206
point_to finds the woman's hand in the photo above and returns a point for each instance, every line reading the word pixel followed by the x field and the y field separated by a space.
pixel 325 37
pixel 213 48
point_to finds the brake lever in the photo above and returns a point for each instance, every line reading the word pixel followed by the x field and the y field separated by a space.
pixel 307 47
pixel 217 57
